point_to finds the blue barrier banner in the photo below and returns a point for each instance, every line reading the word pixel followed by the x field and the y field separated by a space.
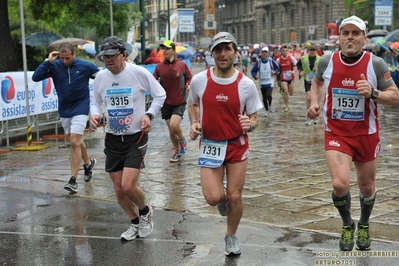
pixel 42 96
pixel 151 67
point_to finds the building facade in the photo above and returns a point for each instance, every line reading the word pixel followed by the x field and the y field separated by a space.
pixel 282 21
pixel 156 15
pixel 250 21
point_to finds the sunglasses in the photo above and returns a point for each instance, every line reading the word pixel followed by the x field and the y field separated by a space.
pixel 110 57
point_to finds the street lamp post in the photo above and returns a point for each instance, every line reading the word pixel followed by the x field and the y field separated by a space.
pixel 159 19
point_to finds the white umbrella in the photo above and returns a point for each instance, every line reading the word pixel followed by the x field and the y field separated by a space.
pixel 73 41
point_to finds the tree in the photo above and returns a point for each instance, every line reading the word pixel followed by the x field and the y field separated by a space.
pixel 365 9
pixel 90 14
pixel 7 56
pixel 68 18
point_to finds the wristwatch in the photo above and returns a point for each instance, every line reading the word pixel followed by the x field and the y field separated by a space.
pixel 374 93
pixel 151 116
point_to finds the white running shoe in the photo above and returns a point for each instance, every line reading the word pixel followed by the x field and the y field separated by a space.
pixel 232 248
pixel 131 233
pixel 146 224
pixel 271 108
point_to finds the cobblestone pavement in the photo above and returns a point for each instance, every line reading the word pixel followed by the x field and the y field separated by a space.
pixel 288 184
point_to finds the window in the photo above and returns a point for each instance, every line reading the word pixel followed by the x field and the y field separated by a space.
pixel 292 17
pixel 314 21
pixel 264 19
pixel 272 21
pixel 328 14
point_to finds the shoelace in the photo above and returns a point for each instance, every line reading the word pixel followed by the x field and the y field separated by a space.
pixel 231 242
pixel 132 229
pixel 362 234
pixel 144 219
pixel 87 168
pixel 347 234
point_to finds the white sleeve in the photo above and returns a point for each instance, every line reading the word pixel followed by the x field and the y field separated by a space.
pixel 253 102
pixel 294 61
pixel 97 100
pixel 158 95
pixel 197 86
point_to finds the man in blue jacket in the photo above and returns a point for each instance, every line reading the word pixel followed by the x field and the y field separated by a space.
pixel 71 80
pixel 264 70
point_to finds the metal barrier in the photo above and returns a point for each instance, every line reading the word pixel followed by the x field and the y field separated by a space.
pixel 42 98
pixel 19 126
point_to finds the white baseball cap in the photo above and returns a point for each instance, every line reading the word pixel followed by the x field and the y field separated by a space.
pixel 358 22
pixel 265 49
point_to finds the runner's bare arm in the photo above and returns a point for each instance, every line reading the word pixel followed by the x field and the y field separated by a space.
pixel 316 90
pixel 194 115
pixel 248 122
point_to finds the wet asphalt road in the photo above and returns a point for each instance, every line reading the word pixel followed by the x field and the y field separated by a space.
pixel 288 218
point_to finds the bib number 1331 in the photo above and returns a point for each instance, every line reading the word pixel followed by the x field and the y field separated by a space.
pixel 212 153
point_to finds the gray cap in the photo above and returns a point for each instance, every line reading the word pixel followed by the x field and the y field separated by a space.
pixel 111 45
pixel 222 37
pixel 312 47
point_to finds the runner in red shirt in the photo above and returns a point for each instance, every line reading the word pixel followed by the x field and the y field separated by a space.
pixel 355 81
pixel 287 65
pixel 223 105
pixel 174 76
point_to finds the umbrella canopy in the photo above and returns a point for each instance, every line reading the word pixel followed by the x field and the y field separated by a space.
pixel 381 44
pixel 375 33
pixel 330 43
pixel 395 47
pixel 41 38
pixel 374 39
pixel 186 54
pixel 381 41
pixel 369 46
pixel 180 48
pixel 90 50
pixel 73 41
pixel 138 46
pixel 88 47
pixel 132 51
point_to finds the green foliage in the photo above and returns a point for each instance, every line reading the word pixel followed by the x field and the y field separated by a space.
pixel 365 10
pixel 88 19
pixel 89 14
pixel 35 55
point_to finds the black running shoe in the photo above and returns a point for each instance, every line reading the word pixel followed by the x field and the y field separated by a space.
pixel 346 243
pixel 72 185
pixel 89 170
pixel 363 241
